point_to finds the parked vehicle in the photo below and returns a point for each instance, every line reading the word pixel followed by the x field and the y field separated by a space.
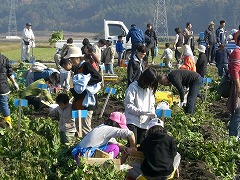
pixel 112 29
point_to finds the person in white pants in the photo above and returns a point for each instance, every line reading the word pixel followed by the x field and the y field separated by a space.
pixel 28 41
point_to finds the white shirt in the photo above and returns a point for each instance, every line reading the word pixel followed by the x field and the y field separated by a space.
pixel 28 34
pixel 168 53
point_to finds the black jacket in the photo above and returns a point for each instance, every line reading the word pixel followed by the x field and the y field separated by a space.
pixel 159 151
pixel 181 78
pixel 201 65
pixel 152 35
pixel 210 36
pixel 134 69
pixel 5 72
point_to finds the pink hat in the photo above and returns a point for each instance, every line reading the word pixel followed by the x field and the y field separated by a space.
pixel 119 118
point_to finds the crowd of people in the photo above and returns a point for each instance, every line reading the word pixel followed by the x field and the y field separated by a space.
pixel 139 125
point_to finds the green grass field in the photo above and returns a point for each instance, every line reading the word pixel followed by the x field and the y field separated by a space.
pixel 43 52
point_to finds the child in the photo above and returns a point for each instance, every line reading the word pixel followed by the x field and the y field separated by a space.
pixel 221 58
pixel 161 158
pixel 201 65
pixel 103 137
pixel 66 47
pixel 108 57
pixel 119 49
pixel 93 78
pixel 139 103
pixel 167 55
pixel 63 111
pixel 188 59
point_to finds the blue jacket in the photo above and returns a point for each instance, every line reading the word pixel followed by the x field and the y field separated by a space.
pixel 222 56
pixel 119 46
pixel 136 35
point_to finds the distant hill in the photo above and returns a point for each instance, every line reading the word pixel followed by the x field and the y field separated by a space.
pixel 88 15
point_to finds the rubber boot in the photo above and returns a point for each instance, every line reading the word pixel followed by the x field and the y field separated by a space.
pixel 8 121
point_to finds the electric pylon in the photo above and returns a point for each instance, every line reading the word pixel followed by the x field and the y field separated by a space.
pixel 12 24
pixel 160 20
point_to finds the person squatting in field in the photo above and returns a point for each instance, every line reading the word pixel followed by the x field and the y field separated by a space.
pixel 86 83
pixel 161 159
pixel 103 137
pixel 33 93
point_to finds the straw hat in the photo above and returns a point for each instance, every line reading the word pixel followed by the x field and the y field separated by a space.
pixel 211 23
pixel 74 52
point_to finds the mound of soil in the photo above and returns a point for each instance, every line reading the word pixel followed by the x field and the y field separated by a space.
pixel 195 170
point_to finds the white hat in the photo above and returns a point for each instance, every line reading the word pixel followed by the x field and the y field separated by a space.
pixel 201 48
pixel 155 122
pixel 74 52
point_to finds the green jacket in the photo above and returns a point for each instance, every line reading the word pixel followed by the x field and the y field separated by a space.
pixel 33 90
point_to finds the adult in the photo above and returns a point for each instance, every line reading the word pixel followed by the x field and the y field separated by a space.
pixel 151 45
pixel 180 79
pixel 221 33
pixel 137 38
pixel 236 36
pixel 28 39
pixel 85 86
pixel 139 103
pixel 97 49
pixel 179 41
pixel 161 159
pixel 108 57
pixel 210 39
pixel 188 35
pixel 234 99
pixel 66 47
pixel 5 73
pixel 103 137
pixel 136 65
pixel 33 94
pixel 201 65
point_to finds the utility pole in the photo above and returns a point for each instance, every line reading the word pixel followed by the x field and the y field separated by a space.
pixel 160 20
pixel 12 24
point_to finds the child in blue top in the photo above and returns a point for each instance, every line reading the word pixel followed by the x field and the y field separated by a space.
pixel 221 58
pixel 119 48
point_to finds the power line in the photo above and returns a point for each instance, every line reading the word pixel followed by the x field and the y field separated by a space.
pixel 12 24
pixel 160 20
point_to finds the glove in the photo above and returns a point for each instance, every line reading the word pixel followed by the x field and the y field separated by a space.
pixel 181 104
pixel 16 86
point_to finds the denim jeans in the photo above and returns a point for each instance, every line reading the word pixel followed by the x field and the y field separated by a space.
pixel 234 126
pixel 222 68
pixel 4 108
pixel 192 95
pixel 134 48
pixel 109 68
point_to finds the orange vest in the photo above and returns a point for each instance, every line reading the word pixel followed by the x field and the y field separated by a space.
pixel 188 64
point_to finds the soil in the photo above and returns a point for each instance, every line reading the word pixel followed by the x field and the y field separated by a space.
pixel 188 170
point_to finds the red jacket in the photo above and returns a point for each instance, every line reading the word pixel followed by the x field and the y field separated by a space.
pixel 234 63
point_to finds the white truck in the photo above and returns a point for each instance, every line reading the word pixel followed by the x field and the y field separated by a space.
pixel 112 29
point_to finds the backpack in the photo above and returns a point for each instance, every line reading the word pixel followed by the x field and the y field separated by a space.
pixel 38 67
